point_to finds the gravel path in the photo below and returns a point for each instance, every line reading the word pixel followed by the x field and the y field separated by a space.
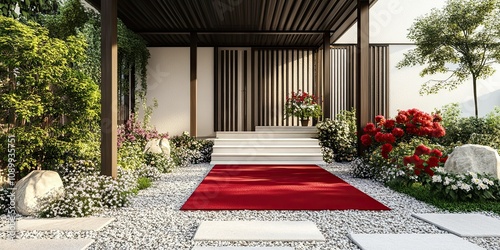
pixel 154 221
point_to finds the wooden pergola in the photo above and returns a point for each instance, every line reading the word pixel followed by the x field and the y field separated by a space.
pixel 243 23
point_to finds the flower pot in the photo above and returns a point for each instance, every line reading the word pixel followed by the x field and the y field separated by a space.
pixel 304 122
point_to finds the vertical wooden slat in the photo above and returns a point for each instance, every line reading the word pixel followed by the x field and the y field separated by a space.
pixel 245 91
pixel 216 88
pixel 193 84
pixel 236 110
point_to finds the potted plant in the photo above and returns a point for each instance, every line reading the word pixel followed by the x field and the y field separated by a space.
pixel 302 105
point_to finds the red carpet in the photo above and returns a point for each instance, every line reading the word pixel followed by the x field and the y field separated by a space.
pixel 277 187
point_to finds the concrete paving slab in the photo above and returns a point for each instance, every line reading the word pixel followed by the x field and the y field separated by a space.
pixel 64 224
pixel 412 242
pixel 242 248
pixel 52 244
pixel 465 225
pixel 259 231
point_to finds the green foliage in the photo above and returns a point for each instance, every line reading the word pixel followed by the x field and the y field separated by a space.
pixel 88 192
pixel 423 193
pixel 71 18
pixel 339 135
pixel 38 78
pixel 130 156
pixel 462 38
pixel 28 9
pixel 164 163
pixel 187 149
pixel 470 130
pixel 143 183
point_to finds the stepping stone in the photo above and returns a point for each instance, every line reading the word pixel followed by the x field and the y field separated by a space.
pixel 412 242
pixel 66 224
pixel 243 248
pixel 52 244
pixel 464 225
pixel 258 231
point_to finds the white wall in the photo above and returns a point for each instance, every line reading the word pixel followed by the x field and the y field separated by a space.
pixel 391 19
pixel 405 85
pixel 389 23
pixel 168 83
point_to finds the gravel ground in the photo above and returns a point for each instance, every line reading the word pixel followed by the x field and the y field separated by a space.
pixel 154 221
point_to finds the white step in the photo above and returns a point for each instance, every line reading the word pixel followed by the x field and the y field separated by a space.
pixel 286 129
pixel 251 149
pixel 264 134
pixel 266 162
pixel 267 141
pixel 267 157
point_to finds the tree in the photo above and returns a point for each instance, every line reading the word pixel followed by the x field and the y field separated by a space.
pixel 27 9
pixel 46 102
pixel 462 39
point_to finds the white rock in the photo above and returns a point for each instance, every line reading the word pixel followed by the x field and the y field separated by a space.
pixel 158 146
pixel 474 158
pixel 39 184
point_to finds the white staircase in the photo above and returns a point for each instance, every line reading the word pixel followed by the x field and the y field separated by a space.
pixel 268 145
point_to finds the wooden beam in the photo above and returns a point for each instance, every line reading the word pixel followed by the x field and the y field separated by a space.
pixel 193 83
pixel 327 94
pixel 109 79
pixel 363 70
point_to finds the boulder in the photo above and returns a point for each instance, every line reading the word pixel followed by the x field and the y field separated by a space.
pixel 158 146
pixel 473 158
pixel 39 184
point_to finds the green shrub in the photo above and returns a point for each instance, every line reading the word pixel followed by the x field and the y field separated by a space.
pixel 339 136
pixel 470 130
pixel 34 98
pixel 187 149
pixel 87 192
pixel 143 183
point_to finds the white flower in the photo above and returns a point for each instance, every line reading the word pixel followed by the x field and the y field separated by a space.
pixel 465 187
pixel 482 186
pixel 454 187
pixel 476 181
pixel 488 181
pixel 474 175
pixel 447 181
pixel 436 178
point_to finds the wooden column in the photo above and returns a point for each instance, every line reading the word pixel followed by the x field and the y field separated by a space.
pixel 327 94
pixel 362 70
pixel 109 80
pixel 193 83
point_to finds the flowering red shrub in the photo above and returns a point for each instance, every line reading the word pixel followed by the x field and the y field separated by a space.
pixel 424 159
pixel 387 133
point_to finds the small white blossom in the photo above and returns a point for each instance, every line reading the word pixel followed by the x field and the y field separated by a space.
pixel 436 178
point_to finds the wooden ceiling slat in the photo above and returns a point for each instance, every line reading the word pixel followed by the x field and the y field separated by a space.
pixel 253 22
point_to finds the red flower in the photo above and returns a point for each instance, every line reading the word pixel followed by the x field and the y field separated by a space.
pixel 366 140
pixel 397 132
pixel 401 118
pixel 436 152
pixel 438 130
pixel 433 162
pixel 407 160
pixel 386 149
pixel 416 171
pixel 429 171
pixel 389 138
pixel 417 161
pixel 379 137
pixel 380 119
pixel 389 124
pixel 370 129
pixel 422 149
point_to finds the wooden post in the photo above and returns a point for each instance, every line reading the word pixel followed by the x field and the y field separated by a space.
pixel 362 71
pixel 109 79
pixel 327 94
pixel 194 83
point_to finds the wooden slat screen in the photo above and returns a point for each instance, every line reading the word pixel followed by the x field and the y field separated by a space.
pixel 344 78
pixel 276 74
